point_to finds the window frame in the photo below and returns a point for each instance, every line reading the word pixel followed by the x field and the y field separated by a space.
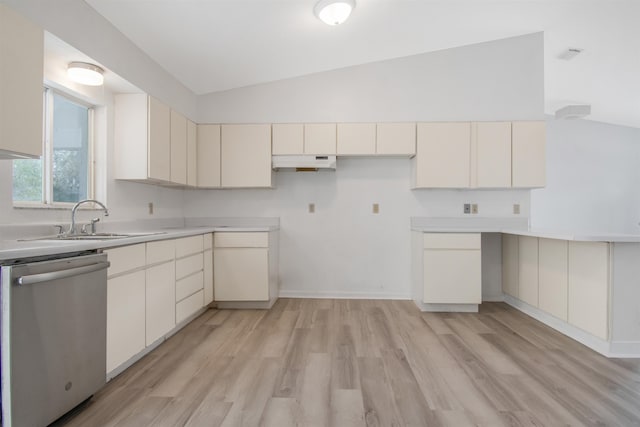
pixel 46 200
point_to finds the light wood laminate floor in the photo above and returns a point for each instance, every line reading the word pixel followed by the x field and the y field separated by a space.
pixel 361 362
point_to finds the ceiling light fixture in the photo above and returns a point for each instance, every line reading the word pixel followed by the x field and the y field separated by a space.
pixel 334 12
pixel 85 73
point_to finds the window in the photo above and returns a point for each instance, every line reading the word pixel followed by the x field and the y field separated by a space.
pixel 64 173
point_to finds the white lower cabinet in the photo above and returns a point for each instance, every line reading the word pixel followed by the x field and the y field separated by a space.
pixel 528 270
pixel 510 265
pixel 189 296
pixel 553 277
pixel 160 301
pixel 208 277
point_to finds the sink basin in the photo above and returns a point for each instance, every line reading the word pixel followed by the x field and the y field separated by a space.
pixel 96 236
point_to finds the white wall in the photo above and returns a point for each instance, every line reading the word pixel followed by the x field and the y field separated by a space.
pixel 343 249
pixel 593 174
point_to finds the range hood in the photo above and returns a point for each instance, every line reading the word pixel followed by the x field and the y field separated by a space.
pixel 303 163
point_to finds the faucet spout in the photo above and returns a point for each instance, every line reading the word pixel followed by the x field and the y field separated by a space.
pixel 77 205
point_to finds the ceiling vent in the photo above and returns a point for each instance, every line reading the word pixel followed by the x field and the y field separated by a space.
pixel 570 53
pixel 572 112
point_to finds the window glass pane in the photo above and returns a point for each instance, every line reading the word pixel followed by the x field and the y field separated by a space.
pixel 27 180
pixel 70 150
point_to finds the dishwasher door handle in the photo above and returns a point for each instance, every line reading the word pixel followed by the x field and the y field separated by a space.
pixel 62 274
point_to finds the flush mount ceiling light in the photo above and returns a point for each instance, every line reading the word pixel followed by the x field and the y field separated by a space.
pixel 85 73
pixel 334 12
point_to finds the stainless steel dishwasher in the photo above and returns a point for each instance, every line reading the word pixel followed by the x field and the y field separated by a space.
pixel 54 314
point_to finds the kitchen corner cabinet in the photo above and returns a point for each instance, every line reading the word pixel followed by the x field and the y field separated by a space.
pixel 443 155
pixel 528 154
pixel 528 270
pixel 208 156
pixel 356 139
pixel 510 265
pixel 396 139
pixel 491 149
pixel 553 277
pixel 320 139
pixel 246 156
pixel 21 85
pixel 142 134
pixel 178 144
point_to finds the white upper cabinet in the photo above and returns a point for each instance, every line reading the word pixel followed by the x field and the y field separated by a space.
pixel 21 85
pixel 178 148
pixel 287 139
pixel 320 139
pixel 396 139
pixel 528 154
pixel 192 154
pixel 443 155
pixel 246 155
pixel 142 134
pixel 356 139
pixel 491 144
pixel 208 149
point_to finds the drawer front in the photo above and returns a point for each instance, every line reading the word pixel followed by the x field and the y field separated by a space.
pixel 188 246
pixel 451 240
pixel 241 240
pixel 189 265
pixel 188 306
pixel 126 258
pixel 189 286
pixel 208 241
pixel 162 251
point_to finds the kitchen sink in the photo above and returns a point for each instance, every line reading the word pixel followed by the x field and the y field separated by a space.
pixel 96 236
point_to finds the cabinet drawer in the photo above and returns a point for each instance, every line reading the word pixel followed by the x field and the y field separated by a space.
pixel 188 306
pixel 189 285
pixel 189 265
pixel 162 251
pixel 241 240
pixel 208 241
pixel 188 246
pixel 451 240
pixel 126 258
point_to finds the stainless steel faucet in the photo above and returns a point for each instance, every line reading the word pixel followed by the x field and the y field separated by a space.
pixel 75 208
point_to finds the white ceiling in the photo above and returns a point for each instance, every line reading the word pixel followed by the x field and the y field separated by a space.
pixel 214 45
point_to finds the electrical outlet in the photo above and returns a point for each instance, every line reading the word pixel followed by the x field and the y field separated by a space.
pixel 150 208
pixel 312 207
pixel 516 208
pixel 467 208
pixel 474 208
pixel 376 208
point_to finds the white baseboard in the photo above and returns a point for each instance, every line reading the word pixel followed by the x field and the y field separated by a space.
pixel 493 298
pixel 341 294
pixel 625 349
pixel 447 308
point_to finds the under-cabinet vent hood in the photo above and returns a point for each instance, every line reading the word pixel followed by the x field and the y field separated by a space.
pixel 304 163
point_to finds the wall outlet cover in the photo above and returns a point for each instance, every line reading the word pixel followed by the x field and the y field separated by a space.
pixel 516 208
pixel 376 208
pixel 467 208
pixel 474 208
pixel 312 207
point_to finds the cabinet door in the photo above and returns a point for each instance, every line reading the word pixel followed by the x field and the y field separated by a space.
pixel 452 276
pixel 356 139
pixel 288 139
pixel 246 156
pixel 396 139
pixel 241 274
pixel 320 139
pixel 208 277
pixel 160 301
pixel 178 148
pixel 492 142
pixel 443 155
pixel 125 318
pixel 510 265
pixel 528 154
pixel 552 277
pixel 192 155
pixel 208 169
pixel 528 269
pixel 21 74
pixel 589 287
pixel 159 141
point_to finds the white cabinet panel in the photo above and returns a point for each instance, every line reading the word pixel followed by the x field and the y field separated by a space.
pixel 160 251
pixel 192 154
pixel 208 162
pixel 492 143
pixel 241 240
pixel 443 155
pixel 246 155
pixel 396 139
pixel 207 241
pixel 287 139
pixel 528 154
pixel 589 287
pixel 159 140
pixel 126 258
pixel 452 276
pixel 356 139
pixel 241 274
pixel 528 270
pixel 178 148
pixel 160 301
pixel 208 277
pixel 553 277
pixel 189 306
pixel 320 138
pixel 189 265
pixel 510 265
pixel 189 245
pixel 125 318
pixel 451 241
pixel 188 286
